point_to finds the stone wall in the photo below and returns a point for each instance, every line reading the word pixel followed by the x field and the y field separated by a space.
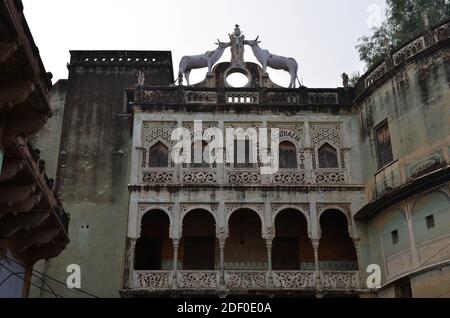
pixel 93 164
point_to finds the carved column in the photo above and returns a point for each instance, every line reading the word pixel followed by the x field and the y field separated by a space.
pixel 176 244
pixel 269 242
pixel 360 265
pixel 130 262
pixel 315 244
pixel 222 261
pixel 308 154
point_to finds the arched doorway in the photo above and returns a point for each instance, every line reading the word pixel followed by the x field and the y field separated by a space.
pixel 336 248
pixel 198 244
pixel 245 248
pixel 292 248
pixel 154 247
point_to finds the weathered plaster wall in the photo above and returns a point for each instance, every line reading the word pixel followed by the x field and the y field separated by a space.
pixel 415 101
pixel 93 167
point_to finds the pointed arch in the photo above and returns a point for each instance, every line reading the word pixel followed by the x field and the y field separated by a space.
pixel 159 155
pixel 327 156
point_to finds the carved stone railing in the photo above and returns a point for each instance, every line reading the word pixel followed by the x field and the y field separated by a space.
pixel 397 57
pixel 159 176
pixel 294 279
pixel 243 177
pixel 287 177
pixel 376 74
pixel 339 279
pixel 179 95
pixel 442 32
pixel 198 279
pixel 242 97
pixel 329 176
pixel 326 98
pixel 416 46
pixel 152 279
pixel 283 98
pixel 195 97
pixel 246 279
pixel 199 176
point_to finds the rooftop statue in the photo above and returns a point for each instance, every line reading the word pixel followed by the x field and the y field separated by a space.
pixel 237 40
pixel 208 59
pixel 274 61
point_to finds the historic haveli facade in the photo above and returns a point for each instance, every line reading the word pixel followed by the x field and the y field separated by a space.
pixel 364 179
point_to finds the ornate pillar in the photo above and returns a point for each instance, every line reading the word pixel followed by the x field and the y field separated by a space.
pixel 176 243
pixel 315 244
pixel 130 262
pixel 222 261
pixel 360 265
pixel 269 242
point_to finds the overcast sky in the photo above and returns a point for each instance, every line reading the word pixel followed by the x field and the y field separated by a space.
pixel 320 34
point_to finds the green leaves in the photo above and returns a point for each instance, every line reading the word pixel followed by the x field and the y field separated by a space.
pixel 405 19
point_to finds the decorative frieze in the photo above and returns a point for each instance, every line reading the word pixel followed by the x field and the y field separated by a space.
pixel 158 177
pixel 198 279
pixel 294 279
pixel 153 279
pixel 243 177
pixel 339 279
pixel 293 178
pixel 329 177
pixel 245 279
pixel 199 177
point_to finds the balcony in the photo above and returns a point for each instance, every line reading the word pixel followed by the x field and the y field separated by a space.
pixel 243 281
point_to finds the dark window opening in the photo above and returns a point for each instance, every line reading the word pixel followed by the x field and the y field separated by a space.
pixel 148 254
pixel 242 150
pixel 199 253
pixel 395 237
pixel 430 222
pixel 287 155
pixel 328 157
pixel 384 147
pixel 129 100
pixel 403 289
pixel 159 156
pixel 286 254
pixel 198 155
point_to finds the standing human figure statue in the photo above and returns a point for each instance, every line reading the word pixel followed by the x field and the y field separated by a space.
pixel 237 40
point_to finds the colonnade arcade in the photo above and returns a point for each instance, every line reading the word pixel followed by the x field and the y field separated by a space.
pixel 257 238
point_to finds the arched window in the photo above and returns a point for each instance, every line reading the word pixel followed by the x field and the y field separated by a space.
pixel 159 156
pixel 287 155
pixel 198 154
pixel 328 157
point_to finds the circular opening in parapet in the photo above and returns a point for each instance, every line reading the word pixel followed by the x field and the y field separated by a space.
pixel 237 78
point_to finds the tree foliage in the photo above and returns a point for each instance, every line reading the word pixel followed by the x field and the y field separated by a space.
pixel 405 19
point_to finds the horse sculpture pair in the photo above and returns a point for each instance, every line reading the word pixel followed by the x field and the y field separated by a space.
pixel 188 63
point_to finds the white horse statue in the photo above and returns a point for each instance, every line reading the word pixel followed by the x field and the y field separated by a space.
pixel 188 63
pixel 274 61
